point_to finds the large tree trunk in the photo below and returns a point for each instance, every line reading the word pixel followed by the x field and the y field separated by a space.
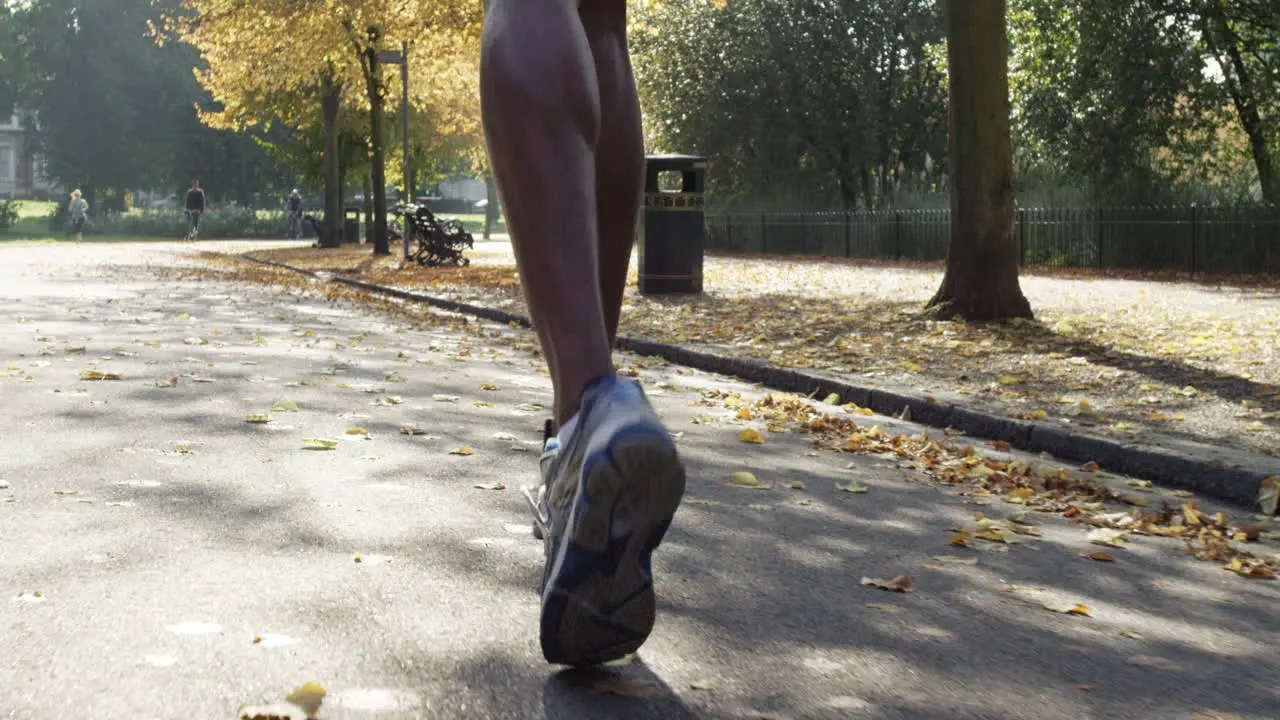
pixel 379 225
pixel 981 281
pixel 1245 98
pixel 330 101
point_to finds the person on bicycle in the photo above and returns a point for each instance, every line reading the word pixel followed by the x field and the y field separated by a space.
pixel 195 207
pixel 295 214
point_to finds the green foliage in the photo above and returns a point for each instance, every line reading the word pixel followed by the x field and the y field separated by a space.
pixel 8 213
pixel 812 103
pixel 222 223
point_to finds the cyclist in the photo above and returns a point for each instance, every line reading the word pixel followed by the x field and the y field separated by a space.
pixel 295 214
pixel 195 208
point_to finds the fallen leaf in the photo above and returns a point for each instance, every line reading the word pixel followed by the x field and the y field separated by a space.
pixel 258 418
pixel 464 450
pixel 318 444
pixel 795 485
pixel 901 584
pixel 488 386
pixel 961 538
pixel 750 436
pixel 1107 537
pixel 1009 380
pixel 745 480
pixel 495 485
pixel 309 697
pixel 1069 609
pixel 852 487
pixel 1154 662
pixel 445 398
pixel 357 431
pixel 285 406
pixel 1099 556
pixel 1091 467
pixel 412 430
pixel 1039 415
pixel 705 685
pixel 1085 687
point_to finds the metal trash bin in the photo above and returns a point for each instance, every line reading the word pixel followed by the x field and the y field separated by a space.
pixel 674 236
pixel 351 224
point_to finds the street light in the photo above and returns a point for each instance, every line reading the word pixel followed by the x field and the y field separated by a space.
pixel 401 58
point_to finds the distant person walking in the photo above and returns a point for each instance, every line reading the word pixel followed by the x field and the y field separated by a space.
pixel 79 210
pixel 195 208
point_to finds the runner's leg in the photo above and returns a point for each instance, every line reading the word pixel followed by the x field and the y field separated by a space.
pixel 619 151
pixel 540 101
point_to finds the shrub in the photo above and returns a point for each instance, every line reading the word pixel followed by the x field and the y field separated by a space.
pixel 8 213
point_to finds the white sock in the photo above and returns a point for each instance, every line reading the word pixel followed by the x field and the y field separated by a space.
pixel 566 430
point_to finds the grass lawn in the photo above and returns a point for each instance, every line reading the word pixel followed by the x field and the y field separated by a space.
pixel 474 222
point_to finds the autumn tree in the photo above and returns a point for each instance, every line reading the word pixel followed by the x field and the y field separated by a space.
pixel 981 280
pixel 284 59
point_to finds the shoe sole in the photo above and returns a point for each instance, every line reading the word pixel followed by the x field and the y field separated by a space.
pixel 599 603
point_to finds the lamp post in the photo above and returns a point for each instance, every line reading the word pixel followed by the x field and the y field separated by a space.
pixel 401 58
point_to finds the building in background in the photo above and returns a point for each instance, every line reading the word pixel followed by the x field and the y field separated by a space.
pixel 20 169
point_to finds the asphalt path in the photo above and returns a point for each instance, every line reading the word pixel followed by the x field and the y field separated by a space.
pixel 188 562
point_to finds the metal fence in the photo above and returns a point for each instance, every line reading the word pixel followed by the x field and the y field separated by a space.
pixel 1186 239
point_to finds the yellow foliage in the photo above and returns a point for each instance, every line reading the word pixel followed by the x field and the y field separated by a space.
pixel 265 58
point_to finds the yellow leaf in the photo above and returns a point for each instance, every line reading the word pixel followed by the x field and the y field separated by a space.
pixel 750 436
pixel 357 431
pixel 832 399
pixel 308 697
pixel 852 487
pixel 318 444
pixel 464 450
pixel 395 378
pixel 912 367
pixel 258 418
pixel 285 406
pixel 745 479
pixel 795 485
pixel 488 386
pixel 1039 415
pixel 961 538
pixel 1009 380
pixel 993 536
pixel 744 414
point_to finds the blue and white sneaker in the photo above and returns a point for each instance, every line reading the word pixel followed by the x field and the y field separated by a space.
pixel 605 503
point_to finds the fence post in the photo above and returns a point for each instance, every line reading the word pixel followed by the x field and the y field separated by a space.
pixel 1098 225
pixel 848 230
pixel 897 234
pixel 1020 229
pixel 1195 212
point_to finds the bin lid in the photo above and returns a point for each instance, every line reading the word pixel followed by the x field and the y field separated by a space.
pixel 675 162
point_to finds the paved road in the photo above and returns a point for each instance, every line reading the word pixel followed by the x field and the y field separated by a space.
pixel 189 562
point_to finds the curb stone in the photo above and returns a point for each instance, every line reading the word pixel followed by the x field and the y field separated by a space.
pixel 1237 485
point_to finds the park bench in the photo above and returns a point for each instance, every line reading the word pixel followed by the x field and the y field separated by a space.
pixel 434 242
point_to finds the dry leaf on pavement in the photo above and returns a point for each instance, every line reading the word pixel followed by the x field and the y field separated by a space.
pixel 744 479
pixel 901 584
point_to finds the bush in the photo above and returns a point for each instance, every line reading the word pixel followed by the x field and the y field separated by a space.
pixel 8 213
pixel 221 223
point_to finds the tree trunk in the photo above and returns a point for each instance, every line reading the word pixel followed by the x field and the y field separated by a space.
pixel 981 281
pixel 330 102
pixel 1245 98
pixel 367 206
pixel 491 205
pixel 381 246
